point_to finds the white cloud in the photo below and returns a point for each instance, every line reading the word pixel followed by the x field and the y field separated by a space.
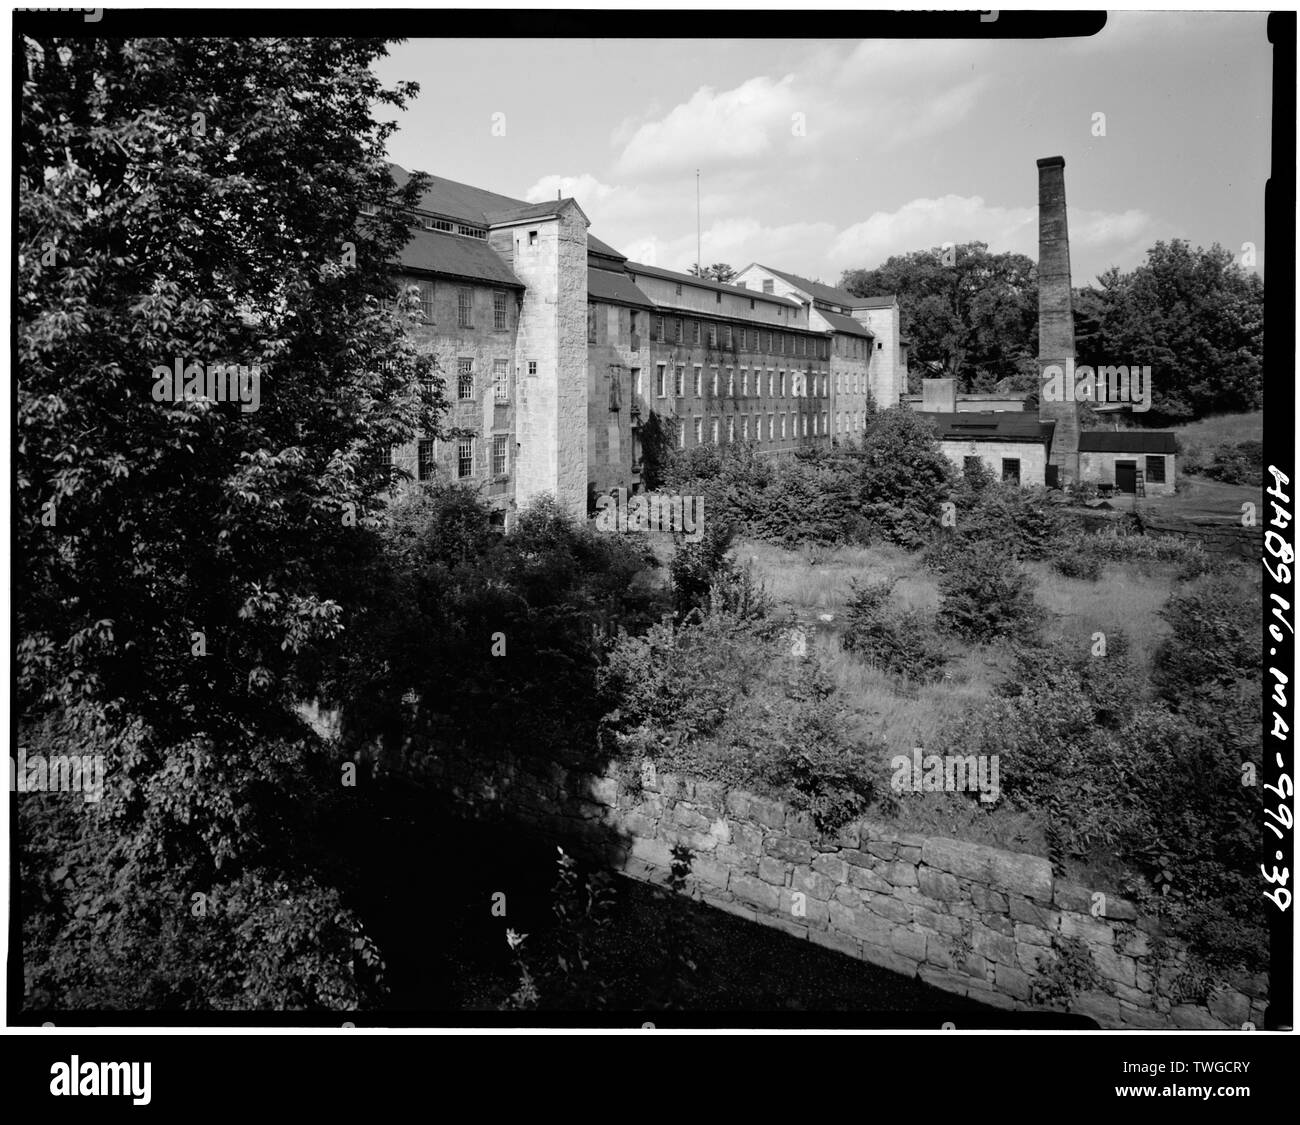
pixel 713 127
pixel 924 223
pixel 878 96
pixel 741 240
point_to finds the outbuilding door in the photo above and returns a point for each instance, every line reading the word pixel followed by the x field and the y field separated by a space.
pixel 1126 476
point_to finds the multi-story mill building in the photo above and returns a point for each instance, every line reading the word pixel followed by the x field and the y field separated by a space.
pixel 556 349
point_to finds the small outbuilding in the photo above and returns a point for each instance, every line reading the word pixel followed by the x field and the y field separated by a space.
pixel 1123 458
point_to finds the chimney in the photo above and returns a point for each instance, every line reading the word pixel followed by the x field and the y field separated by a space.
pixel 939 396
pixel 1056 321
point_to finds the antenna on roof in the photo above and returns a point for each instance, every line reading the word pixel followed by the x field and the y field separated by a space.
pixel 699 255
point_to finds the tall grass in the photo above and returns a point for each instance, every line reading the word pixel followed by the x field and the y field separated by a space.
pixel 814 582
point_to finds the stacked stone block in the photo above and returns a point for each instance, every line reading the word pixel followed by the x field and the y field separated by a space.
pixel 969 919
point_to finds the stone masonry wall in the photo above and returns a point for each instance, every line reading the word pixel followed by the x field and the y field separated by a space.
pixel 972 920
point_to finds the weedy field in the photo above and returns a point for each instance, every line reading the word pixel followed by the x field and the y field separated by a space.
pixel 815 585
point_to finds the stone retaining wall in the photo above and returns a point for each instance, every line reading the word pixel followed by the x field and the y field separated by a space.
pixel 1219 537
pixel 976 921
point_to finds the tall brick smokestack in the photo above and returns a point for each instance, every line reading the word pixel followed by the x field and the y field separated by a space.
pixel 1056 321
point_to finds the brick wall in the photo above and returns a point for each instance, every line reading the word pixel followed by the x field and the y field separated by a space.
pixel 972 920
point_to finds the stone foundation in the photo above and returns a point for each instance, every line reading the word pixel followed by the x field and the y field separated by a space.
pixel 973 920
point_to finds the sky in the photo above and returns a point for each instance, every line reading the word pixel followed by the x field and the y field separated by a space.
pixel 817 156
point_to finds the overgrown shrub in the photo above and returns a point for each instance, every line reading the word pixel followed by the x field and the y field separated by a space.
pixel 903 476
pixel 1071 971
pixel 721 699
pixel 1082 554
pixel 1155 783
pixel 902 643
pixel 887 487
pixel 468 628
pixel 1021 523
pixel 658 440
pixel 1240 463
pixel 985 596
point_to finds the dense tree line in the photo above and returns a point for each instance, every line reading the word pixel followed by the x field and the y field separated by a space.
pixel 1195 316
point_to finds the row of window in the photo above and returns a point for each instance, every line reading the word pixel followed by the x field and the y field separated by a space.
pixel 850 383
pixel 464 305
pixel 427 457
pixel 815 385
pixel 780 427
pixel 801 384
pixel 428 222
pixel 677 330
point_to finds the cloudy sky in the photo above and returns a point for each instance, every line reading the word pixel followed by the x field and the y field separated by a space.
pixel 821 155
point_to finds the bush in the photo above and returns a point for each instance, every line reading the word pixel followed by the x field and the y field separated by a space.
pixel 902 475
pixel 888 488
pixel 1242 463
pixel 468 628
pixel 709 700
pixel 696 565
pixel 1074 564
pixel 1019 522
pixel 1209 667
pixel 1156 784
pixel 901 643
pixel 985 596
pixel 1081 554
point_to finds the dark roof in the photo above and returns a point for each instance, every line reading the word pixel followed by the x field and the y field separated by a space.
pixel 1004 425
pixel 542 210
pixel 881 302
pixel 460 201
pixel 828 293
pixel 708 283
pixel 451 255
pixel 841 323
pixel 1126 441
pixel 604 249
pixel 613 285
pixel 978 396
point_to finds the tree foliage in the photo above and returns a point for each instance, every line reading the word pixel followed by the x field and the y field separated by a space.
pixel 1194 315
pixel 719 271
pixel 179 562
pixel 969 314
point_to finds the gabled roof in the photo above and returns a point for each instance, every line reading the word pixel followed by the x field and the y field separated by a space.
pixel 882 302
pixel 449 255
pixel 709 283
pixel 846 324
pixel 459 201
pixel 1005 425
pixel 829 294
pixel 543 210
pixel 604 249
pixel 615 286
pixel 1126 441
